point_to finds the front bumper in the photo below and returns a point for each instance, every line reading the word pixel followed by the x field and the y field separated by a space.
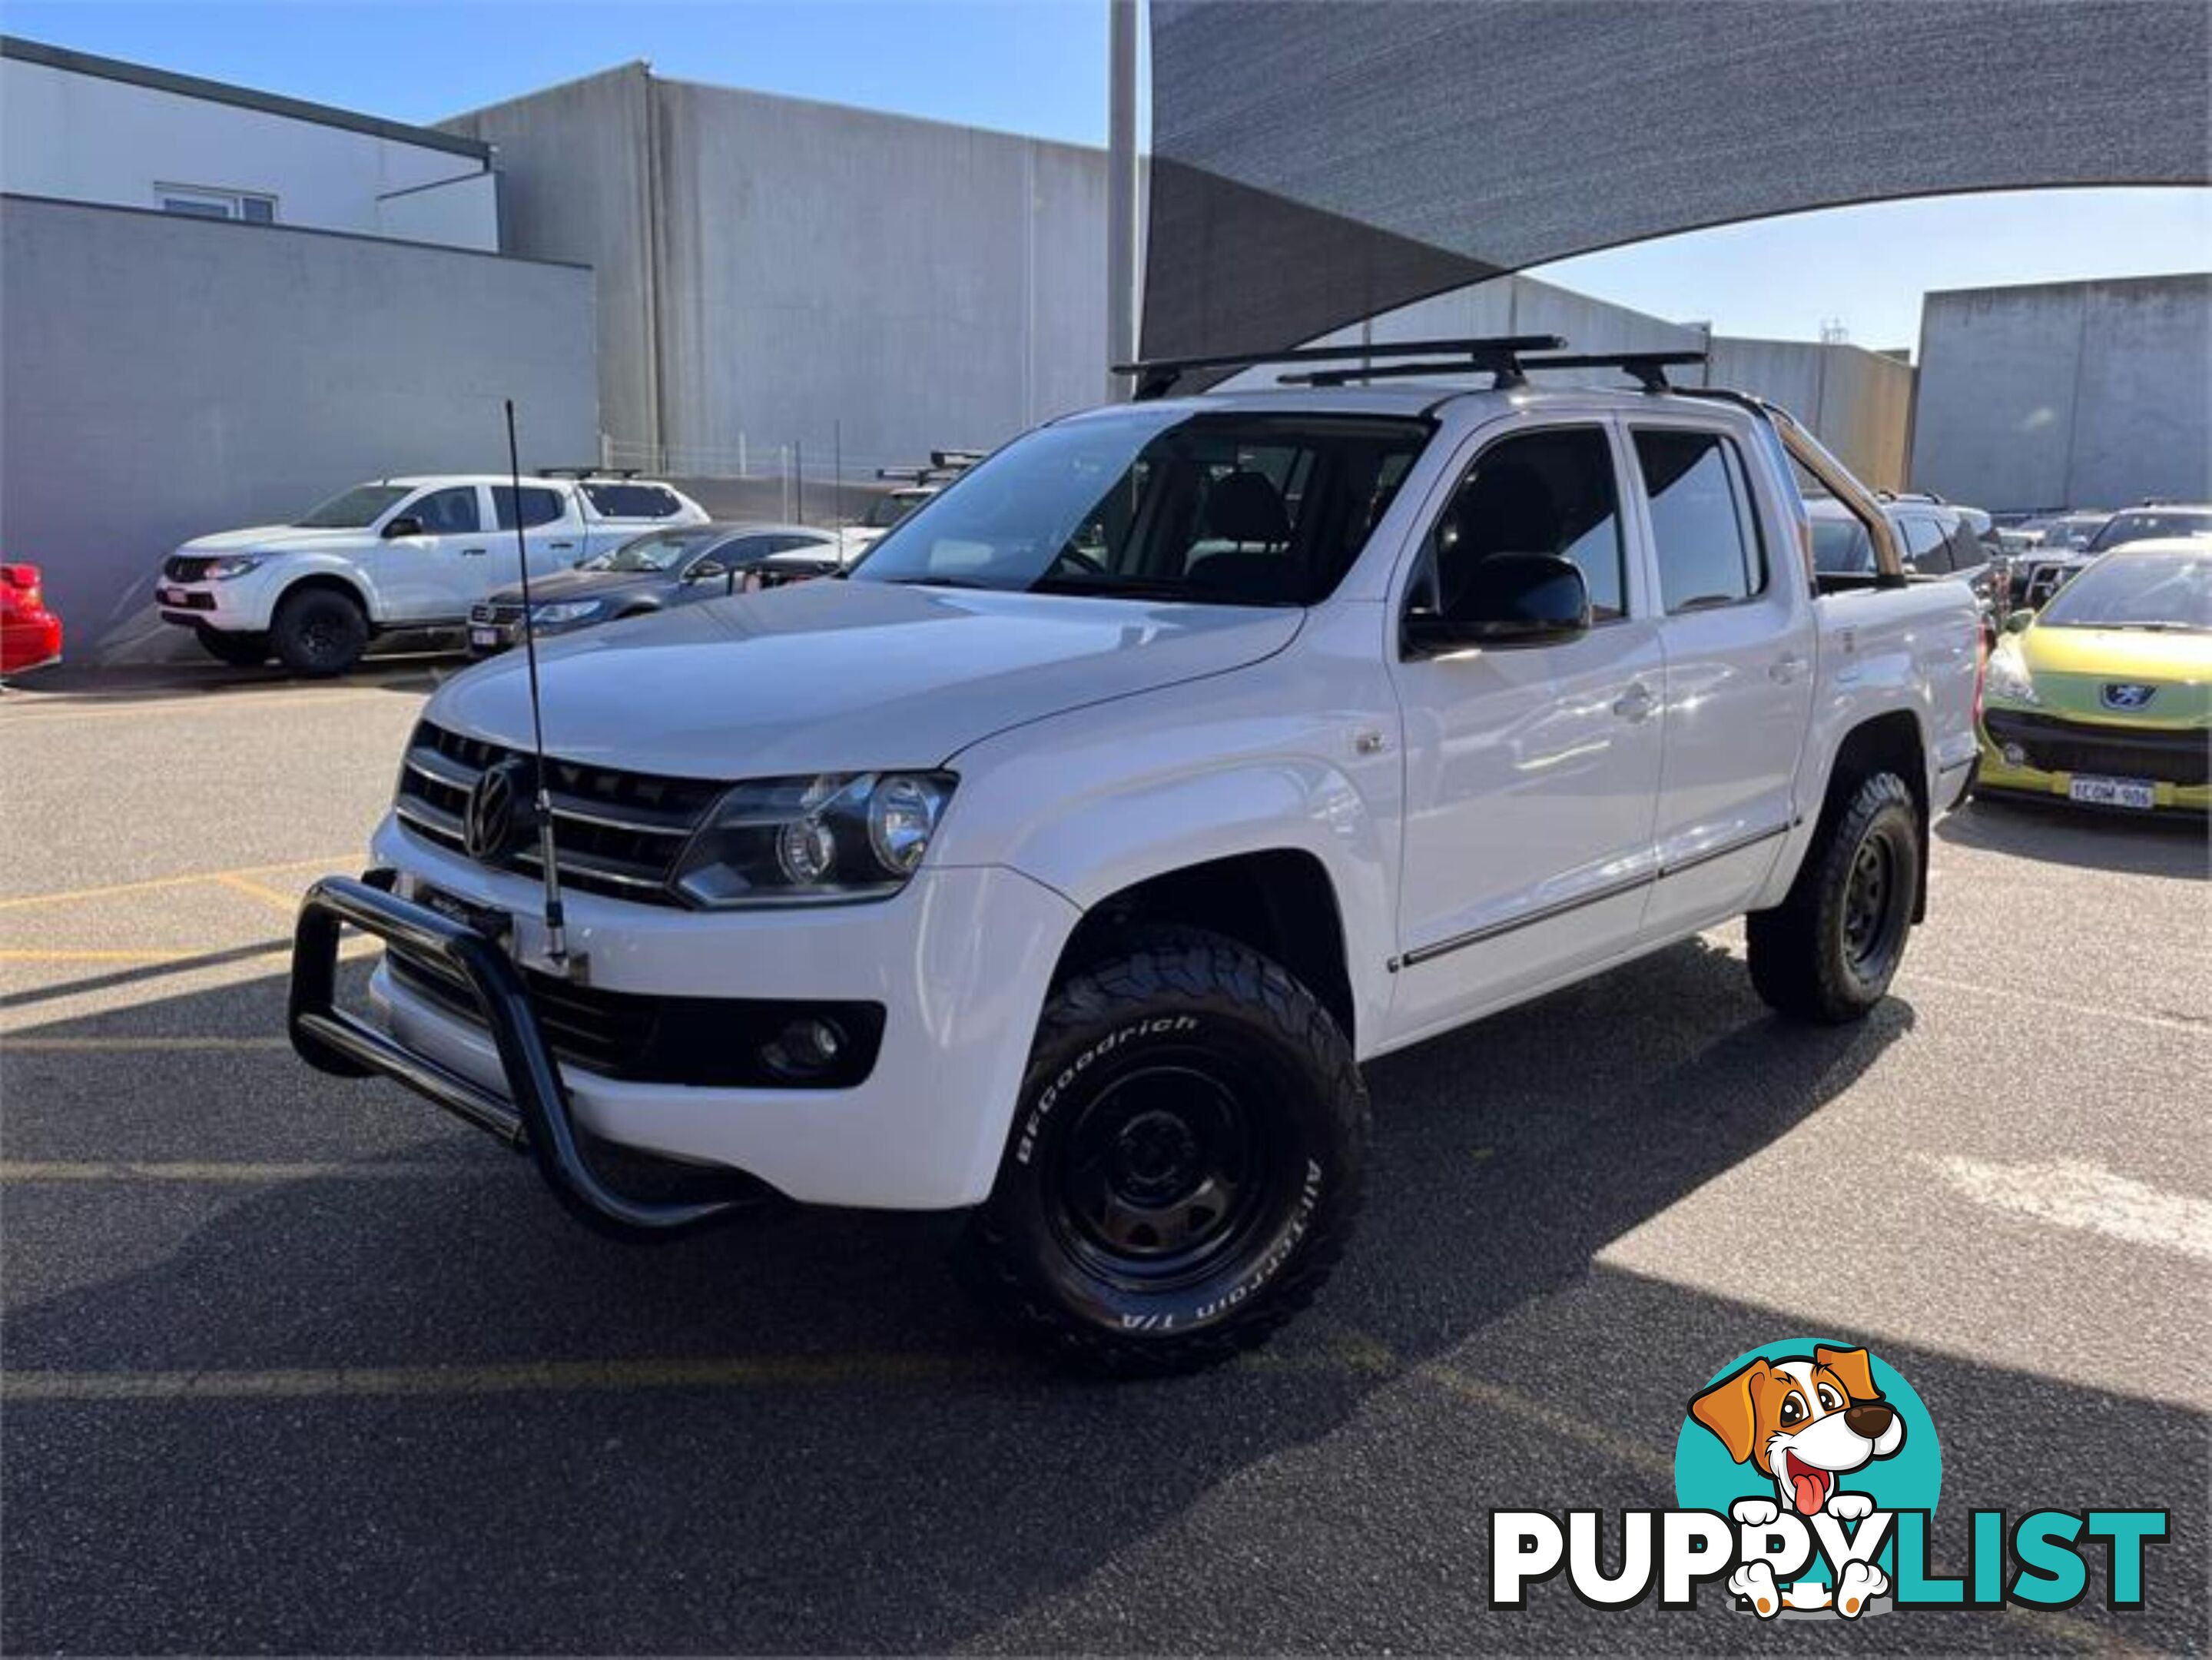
pixel 959 961
pixel 1995 772
pixel 239 604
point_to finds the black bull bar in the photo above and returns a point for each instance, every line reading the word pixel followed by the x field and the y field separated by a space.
pixel 533 1117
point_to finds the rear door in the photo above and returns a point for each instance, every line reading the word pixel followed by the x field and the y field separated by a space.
pixel 1736 627
pixel 552 530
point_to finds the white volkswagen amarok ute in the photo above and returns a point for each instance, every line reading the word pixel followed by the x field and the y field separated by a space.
pixel 1064 862
pixel 400 553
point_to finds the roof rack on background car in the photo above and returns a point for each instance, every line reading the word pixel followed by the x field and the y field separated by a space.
pixel 581 473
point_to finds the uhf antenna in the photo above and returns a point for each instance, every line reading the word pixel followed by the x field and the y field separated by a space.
pixel 556 939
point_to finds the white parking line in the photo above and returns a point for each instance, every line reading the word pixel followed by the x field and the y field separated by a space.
pixel 2072 1192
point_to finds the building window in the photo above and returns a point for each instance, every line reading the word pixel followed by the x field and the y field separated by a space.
pixel 200 203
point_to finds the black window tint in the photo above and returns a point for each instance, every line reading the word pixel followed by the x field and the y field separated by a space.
pixel 633 501
pixel 448 511
pixel 1548 492
pixel 1703 528
pixel 1967 552
pixel 540 506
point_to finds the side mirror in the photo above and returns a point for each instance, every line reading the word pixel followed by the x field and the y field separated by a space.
pixel 1511 599
pixel 2018 621
pixel 707 570
pixel 406 524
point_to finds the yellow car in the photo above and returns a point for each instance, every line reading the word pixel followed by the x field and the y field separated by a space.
pixel 2104 695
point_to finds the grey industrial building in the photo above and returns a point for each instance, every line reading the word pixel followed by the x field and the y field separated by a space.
pixel 2067 394
pixel 714 283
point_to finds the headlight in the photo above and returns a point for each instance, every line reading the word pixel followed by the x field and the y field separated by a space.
pixel 565 610
pixel 236 564
pixel 2008 678
pixel 785 841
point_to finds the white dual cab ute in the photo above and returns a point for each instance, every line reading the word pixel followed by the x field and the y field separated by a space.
pixel 1064 862
pixel 397 554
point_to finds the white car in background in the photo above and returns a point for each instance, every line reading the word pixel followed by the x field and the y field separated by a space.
pixel 397 554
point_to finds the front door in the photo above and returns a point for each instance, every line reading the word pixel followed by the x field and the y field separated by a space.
pixel 1531 774
pixel 431 575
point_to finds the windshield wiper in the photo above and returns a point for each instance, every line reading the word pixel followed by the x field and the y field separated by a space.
pixel 1136 588
pixel 940 582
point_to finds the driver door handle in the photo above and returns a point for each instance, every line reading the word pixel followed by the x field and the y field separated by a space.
pixel 471 553
pixel 1634 704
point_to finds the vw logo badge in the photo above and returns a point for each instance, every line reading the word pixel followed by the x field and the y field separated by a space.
pixel 2126 697
pixel 498 809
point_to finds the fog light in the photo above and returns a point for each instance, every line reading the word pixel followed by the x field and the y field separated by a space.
pixel 805 1048
pixel 2015 756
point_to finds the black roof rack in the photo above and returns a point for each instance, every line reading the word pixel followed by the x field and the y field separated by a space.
pixel 581 473
pixel 1156 377
pixel 1648 367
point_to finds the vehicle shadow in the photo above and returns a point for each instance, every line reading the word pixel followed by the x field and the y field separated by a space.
pixel 799 1437
pixel 2060 833
pixel 413 666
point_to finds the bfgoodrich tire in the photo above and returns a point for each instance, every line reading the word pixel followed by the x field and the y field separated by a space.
pixel 1185 1163
pixel 319 632
pixel 1828 951
pixel 241 651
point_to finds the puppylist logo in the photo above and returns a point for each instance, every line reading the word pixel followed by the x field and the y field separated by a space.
pixel 1806 1476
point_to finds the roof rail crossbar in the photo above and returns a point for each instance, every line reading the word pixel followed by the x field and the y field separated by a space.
pixel 590 472
pixel 1649 369
pixel 1157 376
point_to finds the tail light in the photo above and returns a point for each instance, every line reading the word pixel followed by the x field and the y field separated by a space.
pixel 1981 667
pixel 24 579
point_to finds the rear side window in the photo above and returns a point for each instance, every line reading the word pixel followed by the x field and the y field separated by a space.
pixel 1705 530
pixel 1923 544
pixel 1544 492
pixel 540 506
pixel 633 500
pixel 1967 551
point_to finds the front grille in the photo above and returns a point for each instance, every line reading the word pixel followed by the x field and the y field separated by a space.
pixel 617 833
pixel 186 570
pixel 709 1042
pixel 2182 757
pixel 485 611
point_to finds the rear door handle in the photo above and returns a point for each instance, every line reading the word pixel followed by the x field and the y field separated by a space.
pixel 471 553
pixel 1634 704
pixel 1786 668
pixel 560 547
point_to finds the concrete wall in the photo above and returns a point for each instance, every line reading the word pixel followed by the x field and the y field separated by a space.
pixel 90 138
pixel 776 271
pixel 2067 394
pixel 1859 402
pixel 164 377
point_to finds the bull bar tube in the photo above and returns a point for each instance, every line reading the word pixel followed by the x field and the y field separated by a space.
pixel 533 1118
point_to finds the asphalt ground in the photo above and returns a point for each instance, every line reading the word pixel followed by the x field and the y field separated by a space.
pixel 292 1363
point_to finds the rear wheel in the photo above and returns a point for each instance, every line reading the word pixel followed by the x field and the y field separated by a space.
pixel 1829 950
pixel 319 632
pixel 241 651
pixel 1185 1162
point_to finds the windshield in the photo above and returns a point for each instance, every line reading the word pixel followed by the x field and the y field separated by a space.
pixel 662 550
pixel 887 510
pixel 2143 526
pixel 1219 507
pixel 1841 547
pixel 2137 591
pixel 354 509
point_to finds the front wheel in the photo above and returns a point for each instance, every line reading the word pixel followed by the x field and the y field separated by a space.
pixel 1185 1162
pixel 319 632
pixel 1829 950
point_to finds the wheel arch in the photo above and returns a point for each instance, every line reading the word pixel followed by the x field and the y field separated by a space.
pixel 1893 741
pixel 329 581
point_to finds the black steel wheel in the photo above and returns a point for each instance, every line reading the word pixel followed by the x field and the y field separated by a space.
pixel 318 632
pixel 1830 949
pixel 1185 1162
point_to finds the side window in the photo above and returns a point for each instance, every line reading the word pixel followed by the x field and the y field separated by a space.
pixel 1923 544
pixel 450 512
pixel 1705 528
pixel 633 501
pixel 1967 552
pixel 1544 492
pixel 540 506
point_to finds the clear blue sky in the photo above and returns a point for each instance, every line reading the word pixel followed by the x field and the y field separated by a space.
pixel 1039 66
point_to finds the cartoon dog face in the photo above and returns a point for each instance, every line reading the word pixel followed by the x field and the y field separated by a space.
pixel 1802 1422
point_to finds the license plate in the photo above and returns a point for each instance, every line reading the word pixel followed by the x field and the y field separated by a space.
pixel 483 637
pixel 2114 792
pixel 173 596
